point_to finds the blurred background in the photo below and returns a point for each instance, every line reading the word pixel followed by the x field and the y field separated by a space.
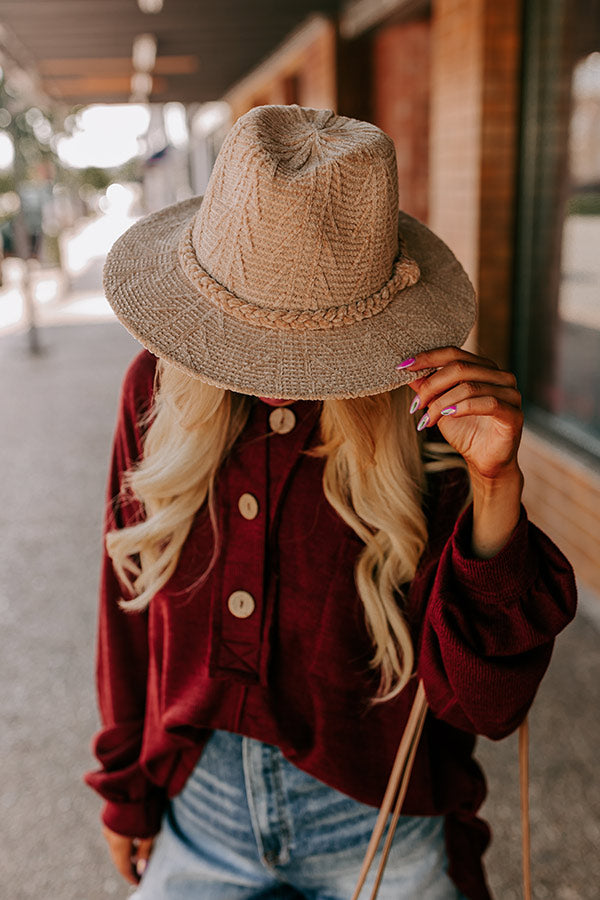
pixel 110 109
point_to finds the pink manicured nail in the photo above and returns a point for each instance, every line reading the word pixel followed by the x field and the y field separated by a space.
pixel 449 411
pixel 414 405
pixel 140 866
pixel 405 363
pixel 423 422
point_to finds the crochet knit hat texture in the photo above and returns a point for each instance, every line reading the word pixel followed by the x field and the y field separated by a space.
pixel 295 276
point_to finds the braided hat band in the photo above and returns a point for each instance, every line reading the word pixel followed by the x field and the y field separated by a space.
pixel 404 274
pixel 296 275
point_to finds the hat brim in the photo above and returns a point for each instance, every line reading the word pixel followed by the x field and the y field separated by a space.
pixel 152 297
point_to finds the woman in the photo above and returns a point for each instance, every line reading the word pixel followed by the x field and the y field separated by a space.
pixel 286 553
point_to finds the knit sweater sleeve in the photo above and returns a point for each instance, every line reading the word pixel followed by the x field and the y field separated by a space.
pixel 489 625
pixel 133 805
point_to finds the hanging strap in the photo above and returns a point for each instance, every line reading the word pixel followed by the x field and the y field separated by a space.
pixel 398 784
pixel 524 788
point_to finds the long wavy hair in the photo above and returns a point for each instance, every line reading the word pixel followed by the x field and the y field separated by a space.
pixel 374 477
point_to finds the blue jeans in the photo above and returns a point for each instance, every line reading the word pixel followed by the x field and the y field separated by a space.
pixel 249 825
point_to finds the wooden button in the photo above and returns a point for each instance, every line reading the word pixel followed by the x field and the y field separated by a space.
pixel 282 419
pixel 241 604
pixel 248 506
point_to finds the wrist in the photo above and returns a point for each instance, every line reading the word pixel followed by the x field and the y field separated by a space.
pixel 510 478
pixel 496 510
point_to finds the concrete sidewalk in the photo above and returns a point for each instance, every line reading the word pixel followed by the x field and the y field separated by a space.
pixel 57 412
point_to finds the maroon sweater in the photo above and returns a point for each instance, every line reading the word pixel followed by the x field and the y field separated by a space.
pixel 295 672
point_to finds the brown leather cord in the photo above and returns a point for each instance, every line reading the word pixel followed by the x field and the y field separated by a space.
pixel 398 770
pixel 398 784
pixel 422 712
pixel 524 788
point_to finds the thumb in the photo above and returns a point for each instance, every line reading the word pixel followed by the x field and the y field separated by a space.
pixel 142 854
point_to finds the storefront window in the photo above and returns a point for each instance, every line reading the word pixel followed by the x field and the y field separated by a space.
pixel 558 265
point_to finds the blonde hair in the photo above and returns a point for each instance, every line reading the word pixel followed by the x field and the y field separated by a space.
pixel 374 477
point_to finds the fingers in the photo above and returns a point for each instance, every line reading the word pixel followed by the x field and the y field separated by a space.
pixel 463 384
pixel 435 359
pixel 488 404
pixel 121 851
pixel 466 399
pixel 144 849
pixel 129 855
pixel 470 376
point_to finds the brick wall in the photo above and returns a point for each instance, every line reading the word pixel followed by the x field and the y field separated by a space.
pixel 499 158
pixel 562 496
pixel 475 46
pixel 455 129
pixel 302 70
pixel 316 71
pixel 355 78
pixel 400 98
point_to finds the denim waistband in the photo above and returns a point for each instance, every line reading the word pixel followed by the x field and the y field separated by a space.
pixel 248 822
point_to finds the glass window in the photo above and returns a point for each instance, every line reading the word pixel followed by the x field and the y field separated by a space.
pixel 558 262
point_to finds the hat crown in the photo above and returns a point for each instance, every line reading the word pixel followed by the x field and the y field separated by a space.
pixel 301 210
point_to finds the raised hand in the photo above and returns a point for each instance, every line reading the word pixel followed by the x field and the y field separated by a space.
pixel 477 408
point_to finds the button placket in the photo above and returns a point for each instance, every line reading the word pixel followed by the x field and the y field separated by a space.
pixel 238 599
pixel 264 460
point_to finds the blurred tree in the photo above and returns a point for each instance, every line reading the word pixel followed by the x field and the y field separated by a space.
pixel 31 131
pixel 7 182
pixel 95 177
pixel 37 167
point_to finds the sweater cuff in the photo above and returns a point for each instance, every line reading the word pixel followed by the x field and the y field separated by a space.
pixel 504 576
pixel 140 819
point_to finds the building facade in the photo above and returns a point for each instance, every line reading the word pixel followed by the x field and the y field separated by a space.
pixel 494 109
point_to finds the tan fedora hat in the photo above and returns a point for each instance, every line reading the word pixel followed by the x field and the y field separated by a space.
pixel 295 276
